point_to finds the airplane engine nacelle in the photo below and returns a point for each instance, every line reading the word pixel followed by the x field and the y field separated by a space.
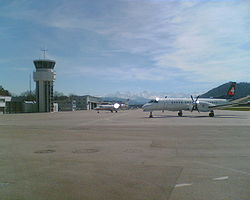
pixel 203 107
pixel 190 107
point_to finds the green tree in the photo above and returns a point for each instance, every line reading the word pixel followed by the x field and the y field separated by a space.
pixel 60 96
pixel 28 96
pixel 4 92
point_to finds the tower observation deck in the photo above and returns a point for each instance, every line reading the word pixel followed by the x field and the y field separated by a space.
pixel 44 76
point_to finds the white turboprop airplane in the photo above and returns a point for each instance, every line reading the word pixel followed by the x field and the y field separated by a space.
pixel 199 104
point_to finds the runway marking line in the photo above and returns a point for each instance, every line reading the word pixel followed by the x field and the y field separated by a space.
pixel 223 178
pixel 221 167
pixel 183 185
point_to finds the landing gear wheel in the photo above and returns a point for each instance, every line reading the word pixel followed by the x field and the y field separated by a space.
pixel 180 113
pixel 211 114
pixel 151 115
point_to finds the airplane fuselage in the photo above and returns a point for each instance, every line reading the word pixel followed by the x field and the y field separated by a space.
pixel 198 104
pixel 112 107
pixel 177 104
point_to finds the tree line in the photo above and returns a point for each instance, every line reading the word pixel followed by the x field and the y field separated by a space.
pixel 31 95
pixel 4 92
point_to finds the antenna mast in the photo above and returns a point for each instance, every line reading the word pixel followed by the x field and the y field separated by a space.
pixel 30 84
pixel 44 52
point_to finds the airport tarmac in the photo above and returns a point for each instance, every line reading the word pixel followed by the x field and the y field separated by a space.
pixel 84 155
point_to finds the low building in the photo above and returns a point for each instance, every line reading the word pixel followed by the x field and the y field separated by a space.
pixel 85 102
pixel 3 103
pixel 19 105
pixel 75 102
pixel 55 107
pixel 66 105
pixel 29 107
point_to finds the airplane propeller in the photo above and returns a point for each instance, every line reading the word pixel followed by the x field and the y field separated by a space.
pixel 195 103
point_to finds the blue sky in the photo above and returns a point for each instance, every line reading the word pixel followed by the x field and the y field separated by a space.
pixel 105 46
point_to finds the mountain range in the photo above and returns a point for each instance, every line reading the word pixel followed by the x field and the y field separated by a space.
pixel 242 90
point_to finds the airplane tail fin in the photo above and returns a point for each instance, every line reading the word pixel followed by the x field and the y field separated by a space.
pixel 230 93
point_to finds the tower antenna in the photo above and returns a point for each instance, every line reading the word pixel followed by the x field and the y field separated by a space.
pixel 30 84
pixel 44 52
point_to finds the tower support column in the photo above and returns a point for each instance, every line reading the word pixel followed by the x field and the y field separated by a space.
pixel 44 76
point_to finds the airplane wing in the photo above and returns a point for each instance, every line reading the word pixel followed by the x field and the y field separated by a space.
pixel 224 105
pixel 242 100
pixel 236 102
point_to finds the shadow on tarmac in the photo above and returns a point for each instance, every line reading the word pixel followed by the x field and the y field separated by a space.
pixel 216 116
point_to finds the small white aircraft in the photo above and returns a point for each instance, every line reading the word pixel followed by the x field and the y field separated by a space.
pixel 199 104
pixel 109 107
pixel 113 107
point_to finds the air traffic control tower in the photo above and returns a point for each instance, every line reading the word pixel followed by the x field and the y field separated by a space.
pixel 44 76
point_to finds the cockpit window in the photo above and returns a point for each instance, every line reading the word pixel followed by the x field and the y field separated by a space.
pixel 153 101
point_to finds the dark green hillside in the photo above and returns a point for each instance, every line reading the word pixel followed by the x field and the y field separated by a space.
pixel 242 90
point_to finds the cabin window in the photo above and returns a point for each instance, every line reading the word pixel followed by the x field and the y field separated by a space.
pixel 153 101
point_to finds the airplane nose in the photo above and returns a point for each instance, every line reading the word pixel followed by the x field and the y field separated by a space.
pixel 145 107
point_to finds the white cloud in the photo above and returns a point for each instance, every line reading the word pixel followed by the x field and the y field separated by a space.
pixel 201 40
pixel 122 73
pixel 208 42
